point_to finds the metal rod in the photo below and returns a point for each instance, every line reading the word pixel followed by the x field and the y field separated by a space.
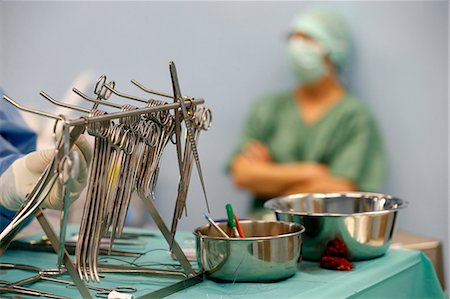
pixel 173 288
pixel 84 292
pixel 146 89
pixel 62 104
pixel 110 116
pixel 216 226
pixel 176 249
pixel 124 95
pixel 87 98
pixel 31 110
pixel 115 115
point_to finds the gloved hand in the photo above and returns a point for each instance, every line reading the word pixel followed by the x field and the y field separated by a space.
pixel 21 177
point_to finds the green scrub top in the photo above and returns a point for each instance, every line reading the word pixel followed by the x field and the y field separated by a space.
pixel 345 138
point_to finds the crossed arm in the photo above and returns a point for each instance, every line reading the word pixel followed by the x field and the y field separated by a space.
pixel 254 170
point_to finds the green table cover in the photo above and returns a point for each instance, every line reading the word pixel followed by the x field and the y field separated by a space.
pixel 398 274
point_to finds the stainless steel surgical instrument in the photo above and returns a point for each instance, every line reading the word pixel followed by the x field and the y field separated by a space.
pixel 128 150
pixel 188 122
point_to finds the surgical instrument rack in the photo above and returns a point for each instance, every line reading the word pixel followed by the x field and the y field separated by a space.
pixel 127 158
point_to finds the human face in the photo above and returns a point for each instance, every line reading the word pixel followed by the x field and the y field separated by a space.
pixel 307 57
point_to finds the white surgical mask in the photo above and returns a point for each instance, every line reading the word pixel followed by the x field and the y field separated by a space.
pixel 306 59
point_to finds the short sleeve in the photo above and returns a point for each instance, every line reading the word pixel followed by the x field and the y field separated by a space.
pixel 359 155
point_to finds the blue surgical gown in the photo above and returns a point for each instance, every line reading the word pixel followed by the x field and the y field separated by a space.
pixel 16 140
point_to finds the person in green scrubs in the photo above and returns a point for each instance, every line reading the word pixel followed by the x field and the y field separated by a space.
pixel 317 137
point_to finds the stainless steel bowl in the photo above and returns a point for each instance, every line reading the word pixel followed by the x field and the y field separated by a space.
pixel 270 251
pixel 365 222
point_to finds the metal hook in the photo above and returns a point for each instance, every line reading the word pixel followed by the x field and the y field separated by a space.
pixel 124 95
pixel 163 94
pixel 87 98
pixel 34 111
pixel 142 87
pixel 58 103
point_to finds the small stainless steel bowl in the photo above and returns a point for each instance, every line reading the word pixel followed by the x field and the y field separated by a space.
pixel 365 222
pixel 270 251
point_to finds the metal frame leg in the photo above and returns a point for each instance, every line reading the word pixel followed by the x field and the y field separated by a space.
pixel 84 292
pixel 176 249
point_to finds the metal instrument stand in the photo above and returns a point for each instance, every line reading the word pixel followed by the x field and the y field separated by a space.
pixel 188 275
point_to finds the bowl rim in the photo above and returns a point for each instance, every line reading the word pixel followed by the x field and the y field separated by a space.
pixel 268 204
pixel 197 233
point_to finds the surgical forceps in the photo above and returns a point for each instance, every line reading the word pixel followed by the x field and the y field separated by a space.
pixel 93 213
pixel 189 126
pixel 66 175
pixel 130 148
pixel 149 168
pixel 110 187
pixel 46 275
pixel 202 120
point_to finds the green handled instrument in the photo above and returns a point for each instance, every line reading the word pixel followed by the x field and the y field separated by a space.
pixel 231 220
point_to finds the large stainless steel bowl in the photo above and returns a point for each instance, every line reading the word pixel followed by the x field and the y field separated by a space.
pixel 270 251
pixel 365 222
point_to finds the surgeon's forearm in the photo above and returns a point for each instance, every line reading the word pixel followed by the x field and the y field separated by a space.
pixel 272 179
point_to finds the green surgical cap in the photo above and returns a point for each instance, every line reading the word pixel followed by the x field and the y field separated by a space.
pixel 329 29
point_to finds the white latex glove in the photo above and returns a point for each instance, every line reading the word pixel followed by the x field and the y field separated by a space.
pixel 21 177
